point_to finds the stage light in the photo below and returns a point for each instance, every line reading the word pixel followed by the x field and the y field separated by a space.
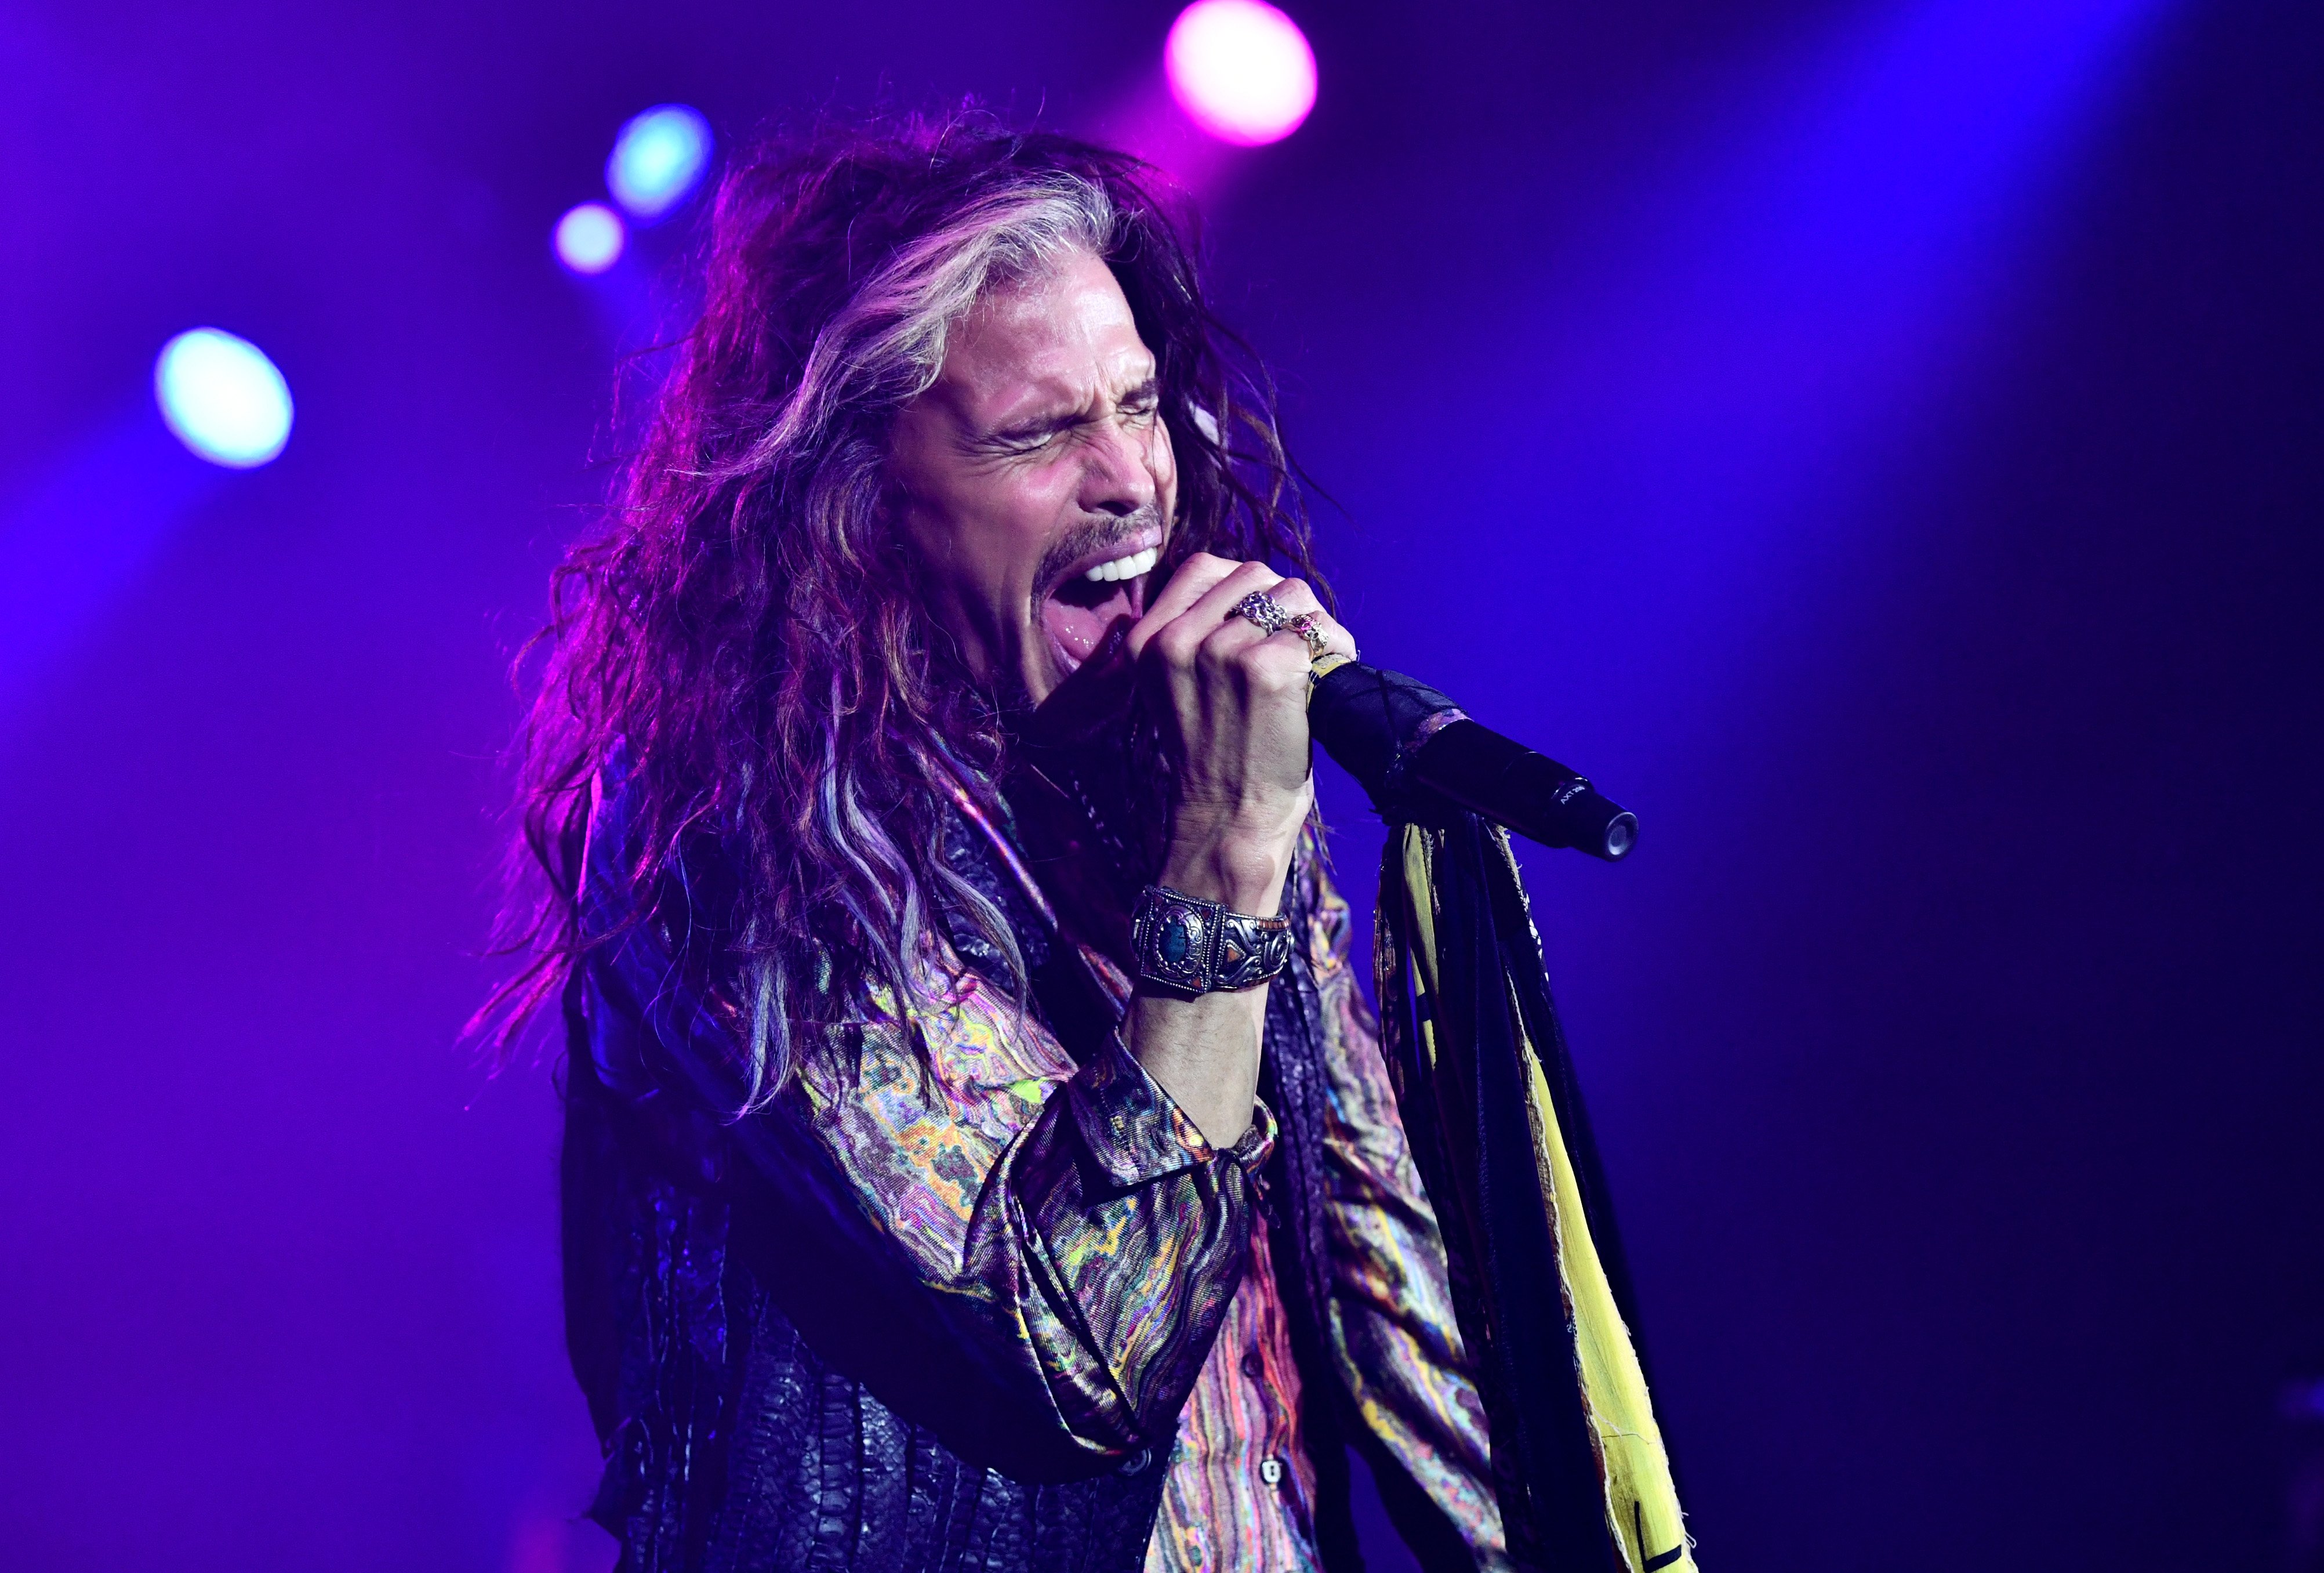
pixel 1240 70
pixel 223 398
pixel 657 160
pixel 589 238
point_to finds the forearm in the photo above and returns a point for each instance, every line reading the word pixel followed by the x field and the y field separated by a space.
pixel 1205 1053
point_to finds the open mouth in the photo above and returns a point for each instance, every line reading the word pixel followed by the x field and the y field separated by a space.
pixel 1095 594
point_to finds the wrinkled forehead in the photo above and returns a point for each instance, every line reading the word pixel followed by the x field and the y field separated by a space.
pixel 1064 323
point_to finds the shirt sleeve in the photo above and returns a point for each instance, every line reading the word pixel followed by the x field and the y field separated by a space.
pixel 1075 1216
pixel 1029 1255
pixel 1394 1332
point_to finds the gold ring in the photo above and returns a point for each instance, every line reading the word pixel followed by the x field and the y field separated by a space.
pixel 1305 627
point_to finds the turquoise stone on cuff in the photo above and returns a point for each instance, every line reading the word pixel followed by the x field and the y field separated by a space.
pixel 1179 937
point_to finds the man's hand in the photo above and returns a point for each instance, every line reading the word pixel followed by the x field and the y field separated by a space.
pixel 1237 697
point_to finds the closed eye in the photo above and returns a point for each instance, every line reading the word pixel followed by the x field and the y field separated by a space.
pixel 1139 403
pixel 1039 431
pixel 1031 437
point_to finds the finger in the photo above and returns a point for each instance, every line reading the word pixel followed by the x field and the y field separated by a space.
pixel 1241 668
pixel 1261 663
pixel 1218 603
pixel 1295 596
pixel 1227 642
pixel 1206 612
pixel 1195 579
pixel 1197 648
pixel 1298 599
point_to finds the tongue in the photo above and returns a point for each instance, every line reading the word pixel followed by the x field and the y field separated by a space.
pixel 1078 624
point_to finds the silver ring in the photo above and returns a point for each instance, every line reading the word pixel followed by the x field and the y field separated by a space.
pixel 1266 612
pixel 1263 611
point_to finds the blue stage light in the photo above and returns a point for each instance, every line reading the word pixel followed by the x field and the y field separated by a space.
pixel 589 238
pixel 657 160
pixel 223 398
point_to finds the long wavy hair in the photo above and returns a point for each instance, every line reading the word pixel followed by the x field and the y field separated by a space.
pixel 741 640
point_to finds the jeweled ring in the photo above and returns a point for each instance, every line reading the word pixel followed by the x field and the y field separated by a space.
pixel 1263 610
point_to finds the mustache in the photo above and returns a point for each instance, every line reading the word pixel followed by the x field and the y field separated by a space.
pixel 1095 536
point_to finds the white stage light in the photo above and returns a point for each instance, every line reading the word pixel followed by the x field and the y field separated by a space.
pixel 1240 70
pixel 223 398
pixel 657 160
pixel 589 238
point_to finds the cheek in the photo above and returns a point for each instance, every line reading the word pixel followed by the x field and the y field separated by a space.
pixel 1021 508
pixel 1001 524
pixel 1162 463
pixel 978 521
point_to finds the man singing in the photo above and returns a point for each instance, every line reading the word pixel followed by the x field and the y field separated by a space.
pixel 978 1152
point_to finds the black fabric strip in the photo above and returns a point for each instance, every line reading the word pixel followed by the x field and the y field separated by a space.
pixel 1528 974
pixel 1520 1248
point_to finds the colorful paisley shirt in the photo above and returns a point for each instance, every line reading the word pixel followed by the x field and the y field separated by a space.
pixel 928 1124
pixel 1107 1310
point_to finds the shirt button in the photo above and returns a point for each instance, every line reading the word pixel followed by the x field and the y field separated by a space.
pixel 1253 1366
pixel 1271 1471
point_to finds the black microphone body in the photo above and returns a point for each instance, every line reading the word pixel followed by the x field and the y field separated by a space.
pixel 1403 742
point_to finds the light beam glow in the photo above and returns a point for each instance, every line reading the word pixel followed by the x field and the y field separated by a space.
pixel 657 160
pixel 1240 70
pixel 589 238
pixel 223 398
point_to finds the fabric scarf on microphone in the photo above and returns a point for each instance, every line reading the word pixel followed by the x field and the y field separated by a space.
pixel 1495 1116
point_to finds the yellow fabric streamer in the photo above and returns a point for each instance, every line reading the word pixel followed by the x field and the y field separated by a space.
pixel 1641 1503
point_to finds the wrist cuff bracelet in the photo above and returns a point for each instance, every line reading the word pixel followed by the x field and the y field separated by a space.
pixel 1201 947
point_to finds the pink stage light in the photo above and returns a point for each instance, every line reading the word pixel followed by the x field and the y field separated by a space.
pixel 589 238
pixel 1240 70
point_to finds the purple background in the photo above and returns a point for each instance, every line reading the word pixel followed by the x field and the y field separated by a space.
pixel 1879 439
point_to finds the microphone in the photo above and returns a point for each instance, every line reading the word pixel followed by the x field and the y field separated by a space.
pixel 1403 742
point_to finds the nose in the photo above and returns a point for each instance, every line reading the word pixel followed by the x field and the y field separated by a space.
pixel 1118 473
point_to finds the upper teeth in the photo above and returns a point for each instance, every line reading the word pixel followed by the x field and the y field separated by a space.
pixel 1125 567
